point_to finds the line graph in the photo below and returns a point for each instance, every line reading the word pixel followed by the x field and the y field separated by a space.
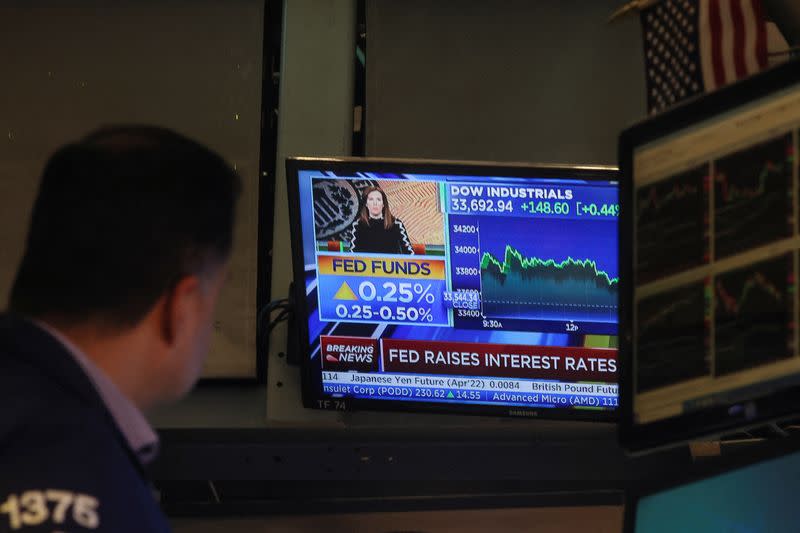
pixel 753 196
pixel 536 288
pixel 563 269
pixel 732 193
pixel 546 274
pixel 754 313
pixel 671 224
pixel 753 284
pixel 671 337
pixel 651 200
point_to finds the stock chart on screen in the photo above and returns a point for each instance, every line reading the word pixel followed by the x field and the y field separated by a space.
pixel 754 315
pixel 753 196
pixel 716 257
pixel 672 339
pixel 551 266
pixel 715 261
pixel 469 289
pixel 672 229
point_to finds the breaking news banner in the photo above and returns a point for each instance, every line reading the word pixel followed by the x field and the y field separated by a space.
pixel 349 353
pixel 500 360
pixel 508 374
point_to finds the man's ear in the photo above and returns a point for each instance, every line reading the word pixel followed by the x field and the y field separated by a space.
pixel 176 306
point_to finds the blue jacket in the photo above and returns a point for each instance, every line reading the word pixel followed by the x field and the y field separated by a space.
pixel 64 464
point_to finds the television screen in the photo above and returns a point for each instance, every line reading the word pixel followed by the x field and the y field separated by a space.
pixel 710 250
pixel 458 287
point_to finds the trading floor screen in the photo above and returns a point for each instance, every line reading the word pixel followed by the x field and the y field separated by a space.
pixel 716 260
pixel 460 289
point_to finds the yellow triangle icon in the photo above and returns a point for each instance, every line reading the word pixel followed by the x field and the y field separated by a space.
pixel 345 293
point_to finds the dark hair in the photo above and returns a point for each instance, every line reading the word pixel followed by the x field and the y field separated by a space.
pixel 388 218
pixel 120 217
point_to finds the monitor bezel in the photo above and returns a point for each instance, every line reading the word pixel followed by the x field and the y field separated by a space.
pixel 672 431
pixel 311 377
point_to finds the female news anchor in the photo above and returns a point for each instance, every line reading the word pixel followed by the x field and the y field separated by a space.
pixel 376 230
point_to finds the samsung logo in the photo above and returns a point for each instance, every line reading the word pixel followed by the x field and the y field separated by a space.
pixel 520 412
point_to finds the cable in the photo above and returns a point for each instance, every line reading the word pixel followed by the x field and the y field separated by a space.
pixel 264 321
pixel 282 317
pixel 271 306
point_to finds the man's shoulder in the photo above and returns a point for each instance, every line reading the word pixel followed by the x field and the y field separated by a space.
pixel 35 367
pixel 28 394
pixel 59 451
pixel 71 460
pixel 60 442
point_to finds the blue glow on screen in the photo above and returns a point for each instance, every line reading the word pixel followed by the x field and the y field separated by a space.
pixel 756 499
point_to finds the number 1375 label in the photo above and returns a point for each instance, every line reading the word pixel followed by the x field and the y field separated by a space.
pixel 35 507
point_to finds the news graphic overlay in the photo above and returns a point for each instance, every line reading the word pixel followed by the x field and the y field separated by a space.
pixel 463 287
pixel 390 266
pixel 378 289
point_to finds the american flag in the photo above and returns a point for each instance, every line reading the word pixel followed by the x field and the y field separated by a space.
pixel 696 46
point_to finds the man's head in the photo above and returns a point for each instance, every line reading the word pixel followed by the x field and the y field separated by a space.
pixel 131 232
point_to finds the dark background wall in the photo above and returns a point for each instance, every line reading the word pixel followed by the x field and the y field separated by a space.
pixel 190 65
pixel 507 80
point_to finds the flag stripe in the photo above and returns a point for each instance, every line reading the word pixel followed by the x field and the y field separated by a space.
pixel 750 25
pixel 696 46
pixel 706 45
pixel 715 22
pixel 738 38
pixel 726 41
pixel 761 38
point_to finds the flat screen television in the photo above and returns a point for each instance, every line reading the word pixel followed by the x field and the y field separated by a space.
pixel 456 287
pixel 709 264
